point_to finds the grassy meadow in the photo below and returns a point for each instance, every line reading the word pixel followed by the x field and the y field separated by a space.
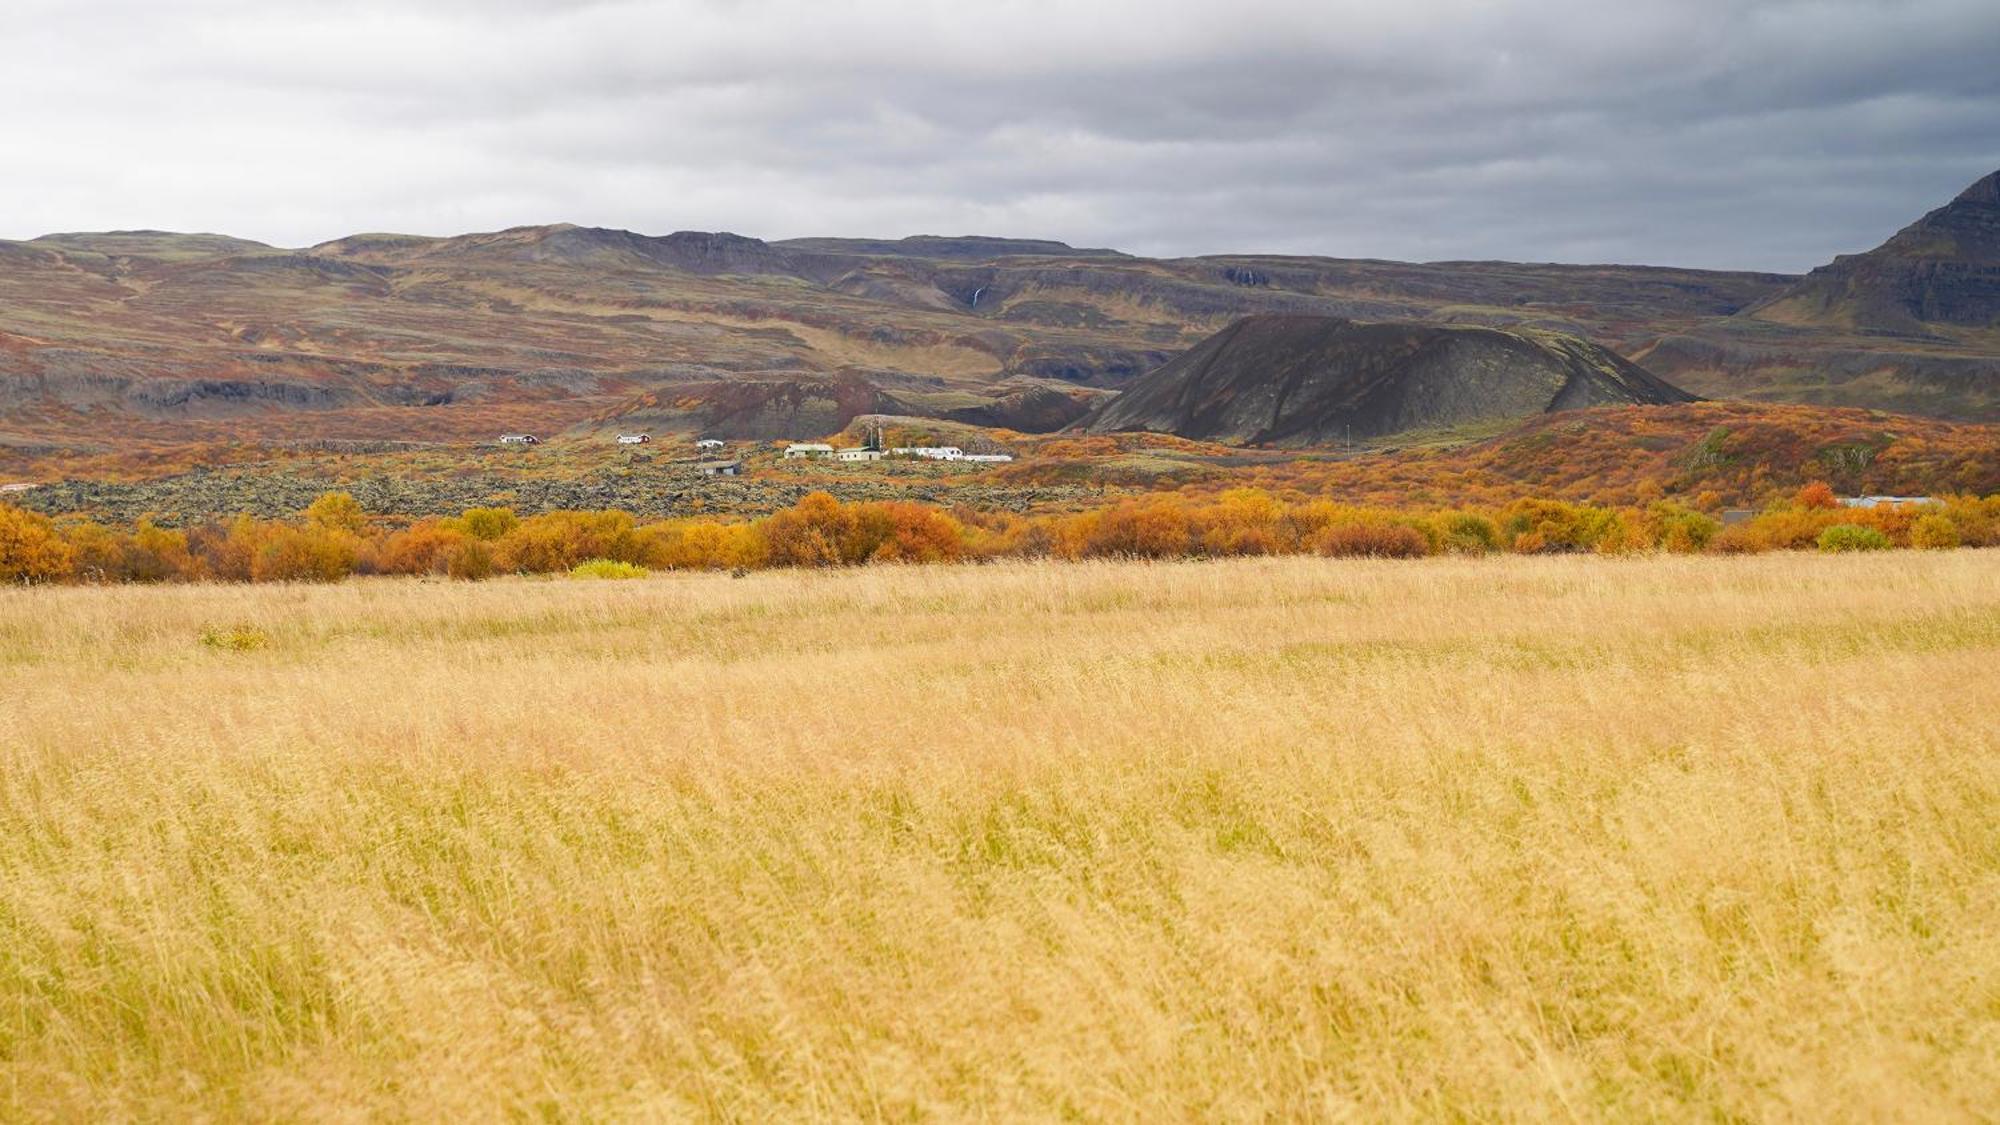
pixel 1502 838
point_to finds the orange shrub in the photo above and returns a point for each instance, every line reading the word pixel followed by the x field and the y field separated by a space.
pixel 905 532
pixel 1816 495
pixel 1155 528
pixel 557 541
pixel 700 545
pixel 810 533
pixel 303 554
pixel 31 550
pixel 1934 532
pixel 337 511
pixel 1373 540
pixel 425 547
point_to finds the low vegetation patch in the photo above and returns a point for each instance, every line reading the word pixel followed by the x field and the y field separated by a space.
pixel 334 538
pixel 608 568
pixel 235 638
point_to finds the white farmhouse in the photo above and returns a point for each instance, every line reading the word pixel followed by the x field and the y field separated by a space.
pixel 708 443
pixel 930 452
pixel 804 449
pixel 1882 501
pixel 858 454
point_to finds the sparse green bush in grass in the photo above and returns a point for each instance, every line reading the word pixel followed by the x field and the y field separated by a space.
pixel 235 638
pixel 607 568
pixel 1853 537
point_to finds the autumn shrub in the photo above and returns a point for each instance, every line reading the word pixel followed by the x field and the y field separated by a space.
pixel 810 533
pixel 97 553
pixel 700 545
pixel 1682 531
pixel 1934 532
pixel 31 549
pixel 898 531
pixel 470 561
pixel 1534 527
pixel 303 554
pixel 1853 537
pixel 1815 496
pixel 337 511
pixel 1466 533
pixel 157 554
pixel 1977 519
pixel 1372 540
pixel 1242 521
pixel 425 547
pixel 1153 528
pixel 1782 529
pixel 488 523
pixel 556 541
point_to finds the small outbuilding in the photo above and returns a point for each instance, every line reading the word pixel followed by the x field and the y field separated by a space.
pixel 709 444
pixel 1882 501
pixel 634 439
pixel 719 468
pixel 519 439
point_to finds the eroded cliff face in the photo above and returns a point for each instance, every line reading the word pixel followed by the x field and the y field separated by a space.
pixel 1943 269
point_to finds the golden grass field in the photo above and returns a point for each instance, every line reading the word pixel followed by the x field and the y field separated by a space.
pixel 1506 838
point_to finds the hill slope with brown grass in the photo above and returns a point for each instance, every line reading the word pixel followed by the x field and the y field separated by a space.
pixel 139 342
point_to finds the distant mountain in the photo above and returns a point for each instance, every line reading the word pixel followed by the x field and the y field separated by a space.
pixel 110 341
pixel 1912 325
pixel 964 247
pixel 1303 380
pixel 1943 269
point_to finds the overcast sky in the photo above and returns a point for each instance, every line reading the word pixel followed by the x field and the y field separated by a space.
pixel 1720 133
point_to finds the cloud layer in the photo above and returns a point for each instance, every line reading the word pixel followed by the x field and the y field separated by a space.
pixel 1720 133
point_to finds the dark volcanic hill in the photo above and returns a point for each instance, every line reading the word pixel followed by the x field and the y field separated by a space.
pixel 1942 269
pixel 1310 380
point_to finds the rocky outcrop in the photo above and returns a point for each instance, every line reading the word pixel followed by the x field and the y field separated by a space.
pixel 1943 269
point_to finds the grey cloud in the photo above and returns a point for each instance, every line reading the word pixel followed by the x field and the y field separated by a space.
pixel 1715 132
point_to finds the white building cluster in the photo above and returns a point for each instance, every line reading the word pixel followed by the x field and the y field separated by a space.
pixel 948 453
pixel 816 450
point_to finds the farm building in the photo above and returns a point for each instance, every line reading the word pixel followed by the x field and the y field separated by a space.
pixel 719 468
pixel 930 452
pixel 634 439
pixel 708 444
pixel 800 449
pixel 519 439
pixel 859 454
pixel 1882 501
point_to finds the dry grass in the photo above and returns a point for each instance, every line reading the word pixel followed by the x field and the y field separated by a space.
pixel 1509 839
